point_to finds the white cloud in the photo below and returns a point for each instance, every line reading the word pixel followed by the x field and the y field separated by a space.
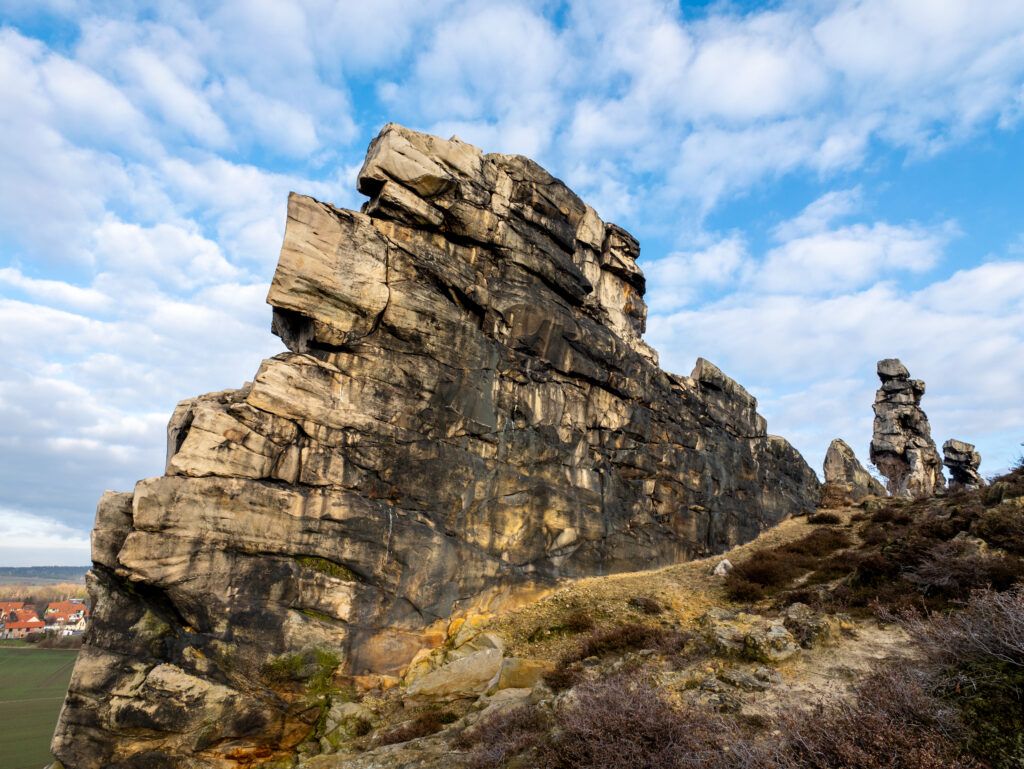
pixel 677 279
pixel 169 253
pixel 493 75
pixel 850 257
pixel 33 540
pixel 56 291
pixel 819 214
pixel 761 66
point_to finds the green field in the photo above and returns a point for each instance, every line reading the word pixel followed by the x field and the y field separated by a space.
pixel 32 686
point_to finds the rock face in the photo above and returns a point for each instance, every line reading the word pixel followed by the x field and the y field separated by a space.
pixel 963 463
pixel 901 446
pixel 846 480
pixel 466 413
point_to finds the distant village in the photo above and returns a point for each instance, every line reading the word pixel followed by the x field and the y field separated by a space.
pixel 61 618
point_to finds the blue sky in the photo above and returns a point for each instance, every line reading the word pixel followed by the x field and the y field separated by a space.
pixel 815 185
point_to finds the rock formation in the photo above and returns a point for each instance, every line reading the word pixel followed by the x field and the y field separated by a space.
pixel 901 446
pixel 846 480
pixel 466 413
pixel 963 463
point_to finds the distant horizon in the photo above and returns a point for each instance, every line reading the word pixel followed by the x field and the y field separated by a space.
pixel 49 566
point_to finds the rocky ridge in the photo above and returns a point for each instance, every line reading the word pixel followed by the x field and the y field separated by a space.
pixel 466 415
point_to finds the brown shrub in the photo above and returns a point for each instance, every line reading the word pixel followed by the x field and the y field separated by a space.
pixel 740 589
pixel 645 604
pixel 952 569
pixel 818 543
pixel 562 677
pixel 504 735
pixel 55 641
pixel 766 568
pixel 427 722
pixel 578 620
pixel 975 659
pixel 825 517
pixel 617 639
pixel 1003 527
pixel 766 572
pixel 893 722
pixel 625 723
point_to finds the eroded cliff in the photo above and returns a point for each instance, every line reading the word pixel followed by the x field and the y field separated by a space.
pixel 467 413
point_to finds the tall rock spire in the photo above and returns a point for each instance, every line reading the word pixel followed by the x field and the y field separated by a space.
pixel 901 444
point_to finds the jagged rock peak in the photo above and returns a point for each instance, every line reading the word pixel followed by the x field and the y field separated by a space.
pixel 846 480
pixel 466 415
pixel 963 462
pixel 901 444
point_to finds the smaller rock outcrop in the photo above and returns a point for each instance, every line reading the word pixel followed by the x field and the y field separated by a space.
pixel 846 480
pixel 901 445
pixel 963 461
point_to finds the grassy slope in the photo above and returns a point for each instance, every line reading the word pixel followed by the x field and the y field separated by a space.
pixel 32 686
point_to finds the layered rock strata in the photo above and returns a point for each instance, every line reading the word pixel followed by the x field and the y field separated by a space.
pixel 466 413
pixel 963 462
pixel 901 445
pixel 846 480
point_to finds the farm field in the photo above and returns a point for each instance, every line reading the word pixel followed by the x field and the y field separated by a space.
pixel 32 686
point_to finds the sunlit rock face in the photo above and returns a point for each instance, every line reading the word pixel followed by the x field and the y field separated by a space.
pixel 466 414
pixel 901 444
pixel 846 480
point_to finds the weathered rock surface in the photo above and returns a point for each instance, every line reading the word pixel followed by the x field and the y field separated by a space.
pixel 963 462
pixel 467 412
pixel 846 480
pixel 901 445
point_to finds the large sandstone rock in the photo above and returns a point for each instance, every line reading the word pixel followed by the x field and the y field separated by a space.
pixel 466 413
pixel 901 445
pixel 963 462
pixel 846 480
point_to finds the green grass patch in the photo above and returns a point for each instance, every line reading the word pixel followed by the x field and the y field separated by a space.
pixel 33 683
pixel 330 568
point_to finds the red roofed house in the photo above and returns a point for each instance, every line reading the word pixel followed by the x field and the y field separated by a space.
pixel 66 617
pixel 20 623
pixel 6 607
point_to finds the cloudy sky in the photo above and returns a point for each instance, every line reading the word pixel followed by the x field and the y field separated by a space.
pixel 815 185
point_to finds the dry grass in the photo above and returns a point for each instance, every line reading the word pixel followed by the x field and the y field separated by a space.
pixel 544 629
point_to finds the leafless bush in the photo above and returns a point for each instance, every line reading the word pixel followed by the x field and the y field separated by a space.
pixel 956 567
pixel 893 722
pixel 619 638
pixel 504 735
pixel 625 723
pixel 988 632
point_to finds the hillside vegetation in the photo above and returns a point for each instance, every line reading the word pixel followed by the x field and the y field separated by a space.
pixel 886 635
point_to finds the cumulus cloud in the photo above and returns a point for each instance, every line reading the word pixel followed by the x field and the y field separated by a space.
pixel 850 257
pixel 679 278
